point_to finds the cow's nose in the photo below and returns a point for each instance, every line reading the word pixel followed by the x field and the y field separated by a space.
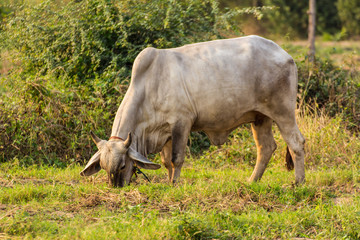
pixel 116 180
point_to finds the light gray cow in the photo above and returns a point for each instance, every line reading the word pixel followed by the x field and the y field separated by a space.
pixel 212 87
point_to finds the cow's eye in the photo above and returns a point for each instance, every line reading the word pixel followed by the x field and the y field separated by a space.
pixel 122 168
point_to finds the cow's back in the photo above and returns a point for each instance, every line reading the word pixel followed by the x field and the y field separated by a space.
pixel 219 84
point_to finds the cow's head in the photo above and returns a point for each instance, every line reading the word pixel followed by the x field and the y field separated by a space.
pixel 117 158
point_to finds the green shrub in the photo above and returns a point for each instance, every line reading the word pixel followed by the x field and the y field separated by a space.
pixel 291 18
pixel 332 89
pixel 349 13
pixel 73 63
pixel 92 39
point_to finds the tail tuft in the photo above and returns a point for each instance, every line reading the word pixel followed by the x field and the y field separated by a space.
pixel 289 161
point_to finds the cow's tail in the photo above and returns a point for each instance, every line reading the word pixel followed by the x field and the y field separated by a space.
pixel 289 160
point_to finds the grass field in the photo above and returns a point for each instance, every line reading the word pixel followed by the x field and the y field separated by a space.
pixel 63 71
pixel 212 201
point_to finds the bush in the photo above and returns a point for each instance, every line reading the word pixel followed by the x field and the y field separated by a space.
pixel 88 39
pixel 349 13
pixel 73 64
pixel 334 90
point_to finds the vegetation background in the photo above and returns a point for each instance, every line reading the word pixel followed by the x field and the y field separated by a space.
pixel 65 67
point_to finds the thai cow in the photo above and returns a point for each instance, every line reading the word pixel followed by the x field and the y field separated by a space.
pixel 212 87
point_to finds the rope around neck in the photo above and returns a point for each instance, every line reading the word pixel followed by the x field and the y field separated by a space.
pixel 137 171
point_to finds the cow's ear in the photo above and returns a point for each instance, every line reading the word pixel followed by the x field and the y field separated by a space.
pixel 93 166
pixel 142 161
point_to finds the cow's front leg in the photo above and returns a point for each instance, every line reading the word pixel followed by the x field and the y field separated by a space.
pixel 180 134
pixel 166 154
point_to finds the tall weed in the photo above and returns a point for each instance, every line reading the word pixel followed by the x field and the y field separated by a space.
pixel 333 89
pixel 328 144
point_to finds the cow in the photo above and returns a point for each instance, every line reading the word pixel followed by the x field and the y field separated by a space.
pixel 213 87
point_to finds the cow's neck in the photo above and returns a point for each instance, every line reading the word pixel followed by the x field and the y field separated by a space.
pixel 148 134
pixel 122 123
pixel 126 116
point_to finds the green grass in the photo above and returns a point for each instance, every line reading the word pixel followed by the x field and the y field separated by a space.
pixel 207 204
pixel 212 200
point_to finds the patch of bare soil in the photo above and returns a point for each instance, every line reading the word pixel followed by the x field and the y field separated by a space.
pixel 344 200
pixel 6 236
pixel 8 211
pixel 348 44
pixel 5 63
pixel 63 214
pixel 9 183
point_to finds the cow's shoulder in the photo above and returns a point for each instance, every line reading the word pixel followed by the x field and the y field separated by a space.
pixel 144 60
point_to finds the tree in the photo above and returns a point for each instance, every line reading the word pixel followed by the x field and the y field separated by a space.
pixel 312 28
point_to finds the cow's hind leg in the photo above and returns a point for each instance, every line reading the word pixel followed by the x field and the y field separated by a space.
pixel 296 143
pixel 166 154
pixel 265 143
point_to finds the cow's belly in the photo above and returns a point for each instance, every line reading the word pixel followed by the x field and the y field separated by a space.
pixel 223 108
pixel 224 120
pixel 219 127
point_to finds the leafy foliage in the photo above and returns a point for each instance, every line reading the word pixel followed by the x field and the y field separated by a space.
pixel 291 18
pixel 86 39
pixel 73 63
pixel 349 13
pixel 331 88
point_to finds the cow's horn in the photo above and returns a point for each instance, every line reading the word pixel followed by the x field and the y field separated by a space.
pixel 95 138
pixel 127 142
